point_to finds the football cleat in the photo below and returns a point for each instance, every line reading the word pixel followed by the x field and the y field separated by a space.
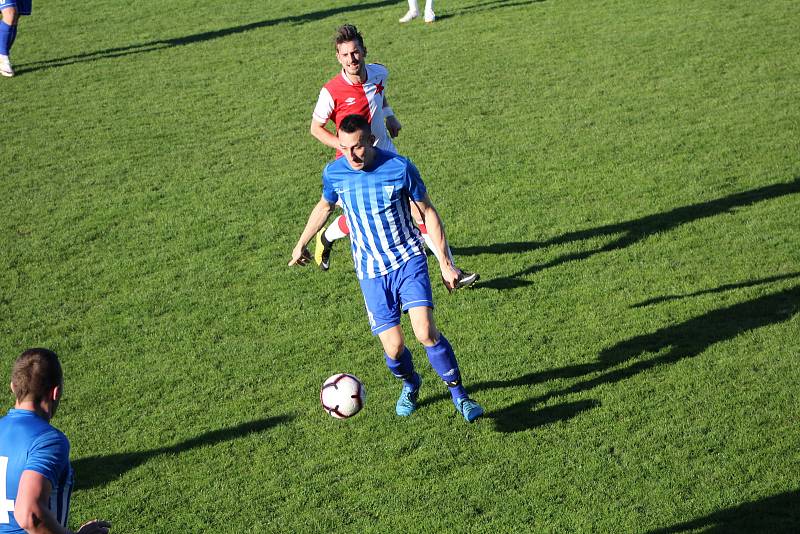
pixel 408 17
pixel 5 67
pixel 429 17
pixel 465 279
pixel 470 409
pixel 407 402
pixel 322 253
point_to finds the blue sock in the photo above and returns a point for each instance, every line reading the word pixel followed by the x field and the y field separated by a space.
pixel 5 38
pixel 443 361
pixel 13 36
pixel 403 367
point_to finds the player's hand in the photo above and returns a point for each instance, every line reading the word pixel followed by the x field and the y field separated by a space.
pixel 300 256
pixel 450 276
pixel 393 126
pixel 95 526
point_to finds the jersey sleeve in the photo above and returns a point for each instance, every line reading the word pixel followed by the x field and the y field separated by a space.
pixel 414 184
pixel 324 108
pixel 328 191
pixel 49 455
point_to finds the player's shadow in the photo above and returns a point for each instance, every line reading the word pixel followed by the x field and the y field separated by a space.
pixel 99 470
pixel 637 355
pixel 519 416
pixel 720 289
pixel 623 234
pixel 779 514
pixel 160 44
pixel 486 6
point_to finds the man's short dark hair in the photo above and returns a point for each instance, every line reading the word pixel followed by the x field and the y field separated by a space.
pixel 355 123
pixel 347 33
pixel 36 372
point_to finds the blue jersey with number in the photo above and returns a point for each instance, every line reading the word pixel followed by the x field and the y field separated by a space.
pixel 29 443
pixel 376 205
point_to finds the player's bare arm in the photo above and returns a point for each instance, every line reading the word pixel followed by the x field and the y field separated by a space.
pixel 32 510
pixel 323 135
pixel 432 221
pixel 393 125
pixel 316 220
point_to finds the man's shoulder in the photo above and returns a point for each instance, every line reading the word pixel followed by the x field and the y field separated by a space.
pixel 33 430
pixel 47 433
pixel 336 166
pixel 377 68
pixel 335 83
pixel 385 157
pixel 52 443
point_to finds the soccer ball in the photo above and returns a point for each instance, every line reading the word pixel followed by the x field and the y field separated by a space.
pixel 342 395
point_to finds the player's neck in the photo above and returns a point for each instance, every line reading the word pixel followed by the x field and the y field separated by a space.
pixel 361 77
pixel 369 159
pixel 32 406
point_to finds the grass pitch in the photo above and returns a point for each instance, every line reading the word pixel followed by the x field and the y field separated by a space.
pixel 625 177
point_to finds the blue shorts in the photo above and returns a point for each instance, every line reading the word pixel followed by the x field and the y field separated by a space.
pixel 23 6
pixel 387 296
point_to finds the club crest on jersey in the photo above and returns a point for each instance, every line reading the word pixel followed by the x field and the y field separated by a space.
pixel 389 191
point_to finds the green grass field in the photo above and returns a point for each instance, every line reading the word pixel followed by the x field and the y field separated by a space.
pixel 624 175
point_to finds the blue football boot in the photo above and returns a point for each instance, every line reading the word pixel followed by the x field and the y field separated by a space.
pixel 407 402
pixel 470 409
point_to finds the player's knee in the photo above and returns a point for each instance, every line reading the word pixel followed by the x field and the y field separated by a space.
pixel 393 344
pixel 10 15
pixel 394 349
pixel 427 335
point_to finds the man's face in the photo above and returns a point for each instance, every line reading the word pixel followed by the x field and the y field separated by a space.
pixel 357 148
pixel 351 57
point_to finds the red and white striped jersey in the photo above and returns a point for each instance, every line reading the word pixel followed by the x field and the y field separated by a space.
pixel 341 97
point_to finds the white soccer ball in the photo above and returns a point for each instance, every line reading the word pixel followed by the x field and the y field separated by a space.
pixel 342 395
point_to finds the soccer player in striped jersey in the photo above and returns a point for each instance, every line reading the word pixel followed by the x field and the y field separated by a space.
pixel 35 474
pixel 10 11
pixel 376 188
pixel 360 88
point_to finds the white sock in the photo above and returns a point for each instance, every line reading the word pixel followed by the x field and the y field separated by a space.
pixel 412 6
pixel 333 232
pixel 428 6
pixel 429 243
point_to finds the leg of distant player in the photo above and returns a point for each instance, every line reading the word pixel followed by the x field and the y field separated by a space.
pixel 325 239
pixel 465 279
pixel 413 12
pixel 8 32
pixel 443 360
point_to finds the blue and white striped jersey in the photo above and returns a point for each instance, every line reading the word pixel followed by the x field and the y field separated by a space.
pixel 28 442
pixel 376 203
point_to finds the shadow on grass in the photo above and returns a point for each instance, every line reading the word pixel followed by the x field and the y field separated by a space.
pixel 779 514
pixel 720 289
pixel 151 46
pixel 99 470
pixel 641 353
pixel 631 232
pixel 519 416
pixel 486 6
